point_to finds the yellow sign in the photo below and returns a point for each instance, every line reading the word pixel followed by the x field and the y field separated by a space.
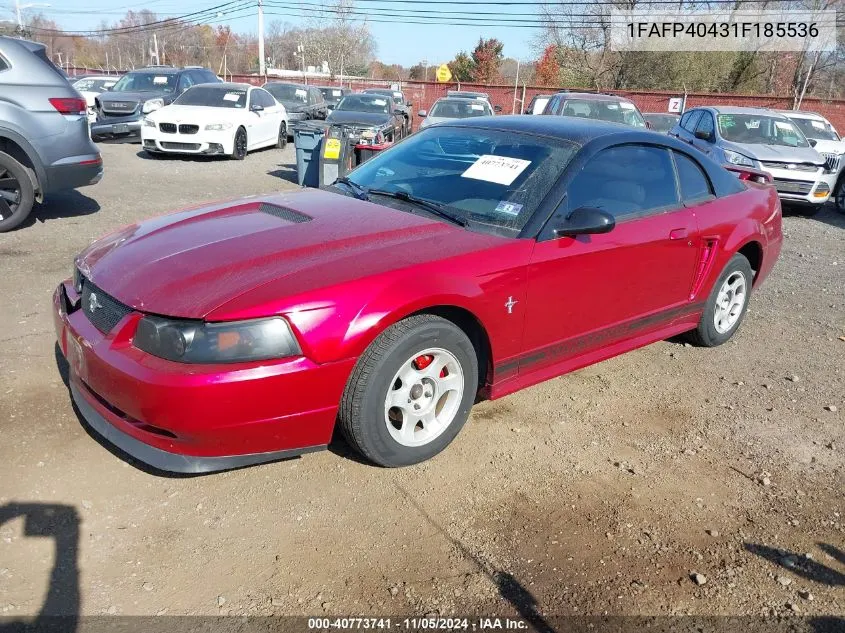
pixel 443 73
pixel 332 151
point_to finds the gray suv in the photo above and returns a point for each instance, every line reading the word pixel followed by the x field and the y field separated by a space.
pixel 45 145
pixel 760 139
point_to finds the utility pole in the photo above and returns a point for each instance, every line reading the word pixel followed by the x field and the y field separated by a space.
pixel 155 49
pixel 262 69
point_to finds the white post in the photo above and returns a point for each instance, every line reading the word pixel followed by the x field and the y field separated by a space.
pixel 515 87
pixel 155 46
pixel 18 12
pixel 262 69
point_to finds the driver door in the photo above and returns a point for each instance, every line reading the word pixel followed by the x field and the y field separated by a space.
pixel 591 291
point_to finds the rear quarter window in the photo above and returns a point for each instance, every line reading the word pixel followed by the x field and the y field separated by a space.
pixel 4 65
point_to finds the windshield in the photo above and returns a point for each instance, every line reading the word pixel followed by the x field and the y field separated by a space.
pixel 213 97
pixel 454 109
pixel 493 179
pixel 396 96
pixel 332 95
pixel 373 103
pixel 146 82
pixel 661 122
pixel 813 128
pixel 94 85
pixel 288 93
pixel 756 128
pixel 613 111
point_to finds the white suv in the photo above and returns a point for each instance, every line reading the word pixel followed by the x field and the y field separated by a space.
pixel 824 137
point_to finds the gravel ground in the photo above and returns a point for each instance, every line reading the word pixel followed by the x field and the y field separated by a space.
pixel 671 480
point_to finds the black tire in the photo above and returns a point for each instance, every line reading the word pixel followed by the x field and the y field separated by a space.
pixel 839 195
pixel 282 141
pixel 706 334
pixel 17 193
pixel 239 146
pixel 362 416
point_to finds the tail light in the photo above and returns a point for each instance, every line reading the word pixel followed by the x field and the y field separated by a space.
pixel 69 105
pixel 750 174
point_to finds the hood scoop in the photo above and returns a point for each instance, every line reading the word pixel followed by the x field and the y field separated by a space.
pixel 283 213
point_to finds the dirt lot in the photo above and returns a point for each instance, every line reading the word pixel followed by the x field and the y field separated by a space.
pixel 602 492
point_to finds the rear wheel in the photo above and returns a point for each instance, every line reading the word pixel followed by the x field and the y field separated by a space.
pixel 239 148
pixel 17 193
pixel 410 392
pixel 282 141
pixel 727 304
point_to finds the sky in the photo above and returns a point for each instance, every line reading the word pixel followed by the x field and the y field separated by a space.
pixel 405 44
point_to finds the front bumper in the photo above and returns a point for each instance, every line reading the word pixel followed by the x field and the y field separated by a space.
pixel 802 187
pixel 117 126
pixel 212 142
pixel 194 418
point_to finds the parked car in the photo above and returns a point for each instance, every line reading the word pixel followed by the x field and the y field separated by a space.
pixel 225 118
pixel 591 105
pixel 140 92
pixel 44 141
pixel 333 95
pixel 537 104
pixel 301 102
pixel 826 141
pixel 90 86
pixel 449 108
pixel 371 118
pixel 661 121
pixel 468 94
pixel 762 139
pixel 400 103
pixel 476 258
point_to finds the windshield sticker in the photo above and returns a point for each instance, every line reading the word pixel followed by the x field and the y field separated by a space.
pixel 817 124
pixel 627 106
pixel 380 102
pixel 783 126
pixel 336 93
pixel 109 84
pixel 232 96
pixel 510 208
pixel 612 106
pixel 476 106
pixel 499 169
pixel 300 92
pixel 752 125
pixel 159 80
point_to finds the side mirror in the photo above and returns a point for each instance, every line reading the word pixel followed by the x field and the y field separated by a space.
pixel 422 114
pixel 586 221
pixel 398 112
pixel 497 109
pixel 648 124
pixel 704 135
pixel 812 142
pixel 256 107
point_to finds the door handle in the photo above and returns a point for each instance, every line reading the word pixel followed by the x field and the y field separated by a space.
pixel 677 234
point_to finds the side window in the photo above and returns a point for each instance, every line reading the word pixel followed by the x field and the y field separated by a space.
pixel 695 187
pixel 318 96
pixel 692 121
pixel 685 118
pixel 706 124
pixel 185 82
pixel 209 77
pixel 626 180
pixel 4 65
pixel 266 98
pixel 551 106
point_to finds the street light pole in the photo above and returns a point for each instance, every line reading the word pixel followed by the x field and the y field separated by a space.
pixel 262 69
pixel 19 8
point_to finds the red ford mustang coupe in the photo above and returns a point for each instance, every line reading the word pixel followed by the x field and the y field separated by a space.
pixel 471 260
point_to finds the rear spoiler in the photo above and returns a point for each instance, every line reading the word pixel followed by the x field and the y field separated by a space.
pixel 750 174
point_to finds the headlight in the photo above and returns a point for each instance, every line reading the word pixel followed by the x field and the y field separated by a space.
pixel 200 342
pixel 151 105
pixel 216 127
pixel 736 158
pixel 148 122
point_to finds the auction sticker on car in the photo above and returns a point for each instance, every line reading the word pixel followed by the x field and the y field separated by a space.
pixel 499 169
pixel 332 151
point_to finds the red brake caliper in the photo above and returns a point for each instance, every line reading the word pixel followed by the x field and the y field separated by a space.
pixel 423 361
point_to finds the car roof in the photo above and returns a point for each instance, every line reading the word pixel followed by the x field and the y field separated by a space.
pixel 573 129
pixel 27 44
pixel 728 109
pixel 459 99
pixel 80 77
pixel 382 91
pixel 670 114
pixel 227 85
pixel 162 70
pixel 595 96
pixel 801 114
pixel 286 83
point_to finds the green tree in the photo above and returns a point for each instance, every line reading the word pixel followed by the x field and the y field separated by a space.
pixel 462 67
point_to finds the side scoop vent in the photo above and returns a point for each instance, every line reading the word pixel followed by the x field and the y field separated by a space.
pixel 289 215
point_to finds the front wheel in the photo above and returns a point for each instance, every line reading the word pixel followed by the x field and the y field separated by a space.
pixel 727 304
pixel 282 141
pixel 17 193
pixel 839 195
pixel 410 392
pixel 239 147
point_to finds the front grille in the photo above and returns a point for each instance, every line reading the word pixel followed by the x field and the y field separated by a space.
pixel 832 162
pixel 167 128
pixel 188 146
pixel 802 187
pixel 794 166
pixel 119 108
pixel 107 311
pixel 189 129
pixel 284 213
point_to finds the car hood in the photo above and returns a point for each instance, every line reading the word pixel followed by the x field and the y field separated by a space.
pixel 777 153
pixel 358 118
pixel 431 120
pixel 137 97
pixel 830 147
pixel 293 106
pixel 195 114
pixel 191 262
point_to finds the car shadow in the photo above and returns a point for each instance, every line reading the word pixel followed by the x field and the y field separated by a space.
pixel 63 204
pixel 183 158
pixel 826 215
pixel 285 172
pixel 801 565
pixel 59 522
